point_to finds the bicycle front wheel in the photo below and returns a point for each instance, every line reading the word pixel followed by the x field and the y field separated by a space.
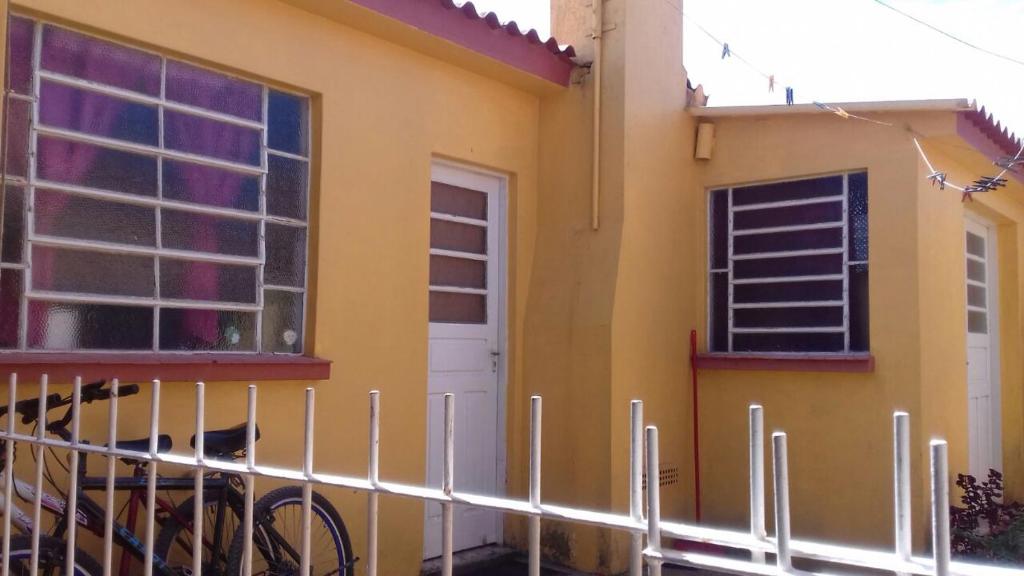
pixel 277 537
pixel 51 558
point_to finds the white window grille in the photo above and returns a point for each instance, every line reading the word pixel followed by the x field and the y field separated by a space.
pixel 150 204
pixel 788 265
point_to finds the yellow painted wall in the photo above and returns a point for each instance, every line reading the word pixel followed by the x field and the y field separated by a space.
pixel 839 425
pixel 381 113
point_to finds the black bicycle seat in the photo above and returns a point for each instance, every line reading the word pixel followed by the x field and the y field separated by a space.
pixel 163 444
pixel 224 443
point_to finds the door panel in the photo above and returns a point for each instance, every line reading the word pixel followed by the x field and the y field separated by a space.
pixel 467 268
pixel 982 352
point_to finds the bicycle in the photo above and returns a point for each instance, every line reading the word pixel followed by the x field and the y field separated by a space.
pixel 276 538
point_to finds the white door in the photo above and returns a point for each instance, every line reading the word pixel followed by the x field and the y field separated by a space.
pixel 466 283
pixel 984 449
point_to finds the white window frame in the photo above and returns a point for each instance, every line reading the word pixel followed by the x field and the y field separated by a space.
pixel 156 302
pixel 844 224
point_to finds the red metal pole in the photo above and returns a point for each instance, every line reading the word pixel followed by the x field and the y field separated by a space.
pixel 696 426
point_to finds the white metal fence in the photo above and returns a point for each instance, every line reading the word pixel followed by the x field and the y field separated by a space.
pixel 644 521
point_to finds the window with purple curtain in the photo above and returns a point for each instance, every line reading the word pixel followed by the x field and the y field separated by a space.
pixel 149 204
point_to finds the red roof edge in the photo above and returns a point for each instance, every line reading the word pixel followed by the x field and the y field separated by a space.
pixel 983 132
pixel 485 34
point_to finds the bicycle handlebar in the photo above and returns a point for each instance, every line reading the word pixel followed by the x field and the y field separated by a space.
pixel 29 409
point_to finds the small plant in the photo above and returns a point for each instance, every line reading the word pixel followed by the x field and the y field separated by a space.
pixel 986 527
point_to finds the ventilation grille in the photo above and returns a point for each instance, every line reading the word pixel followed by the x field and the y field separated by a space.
pixel 668 474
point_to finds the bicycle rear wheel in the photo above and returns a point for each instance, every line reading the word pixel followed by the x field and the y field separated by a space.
pixel 51 558
pixel 174 542
pixel 277 537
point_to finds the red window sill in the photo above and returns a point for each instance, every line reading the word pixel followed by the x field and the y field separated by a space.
pixel 787 362
pixel 169 367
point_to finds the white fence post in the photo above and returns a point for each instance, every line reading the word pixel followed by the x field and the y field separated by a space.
pixel 534 520
pixel 447 485
pixel 197 498
pixel 653 503
pixel 940 507
pixel 154 444
pixel 250 480
pixel 12 397
pixel 71 506
pixel 636 486
pixel 307 486
pixel 37 501
pixel 757 525
pixel 781 476
pixel 901 484
pixel 373 475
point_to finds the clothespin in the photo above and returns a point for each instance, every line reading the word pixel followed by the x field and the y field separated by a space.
pixel 989 183
pixel 1009 162
pixel 840 112
pixel 771 83
pixel 725 50
pixel 789 96
pixel 938 178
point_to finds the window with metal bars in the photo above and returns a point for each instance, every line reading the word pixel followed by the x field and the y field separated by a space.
pixel 789 266
pixel 149 204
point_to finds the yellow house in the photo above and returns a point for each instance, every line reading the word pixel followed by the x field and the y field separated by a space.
pixel 407 196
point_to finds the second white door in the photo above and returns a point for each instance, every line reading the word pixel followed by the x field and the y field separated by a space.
pixel 984 451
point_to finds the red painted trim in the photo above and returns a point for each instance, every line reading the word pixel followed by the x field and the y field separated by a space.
pixel 485 35
pixel 787 362
pixel 696 427
pixel 987 137
pixel 169 367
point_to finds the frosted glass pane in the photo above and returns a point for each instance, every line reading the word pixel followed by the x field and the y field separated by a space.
pixel 976 295
pixel 288 123
pixel 206 233
pixel 977 322
pixel 19 115
pixel 14 224
pixel 456 236
pixel 458 308
pixel 187 182
pixel 286 256
pixel 89 112
pixel 189 280
pixel 81 271
pixel 19 55
pixel 975 270
pixel 448 199
pixel 445 271
pixel 89 58
pixel 287 185
pixel 69 216
pixel 59 326
pixel 282 321
pixel 200 330
pixel 205 137
pixel 975 245
pixel 11 285
pixel 96 167
pixel 207 89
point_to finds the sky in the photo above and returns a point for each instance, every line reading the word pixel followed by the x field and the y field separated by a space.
pixel 842 50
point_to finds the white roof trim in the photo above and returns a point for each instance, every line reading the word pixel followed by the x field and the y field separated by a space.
pixel 948 105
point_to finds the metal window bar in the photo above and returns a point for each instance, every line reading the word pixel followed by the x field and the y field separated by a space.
pixel 160 152
pixel 844 250
pixel 754 540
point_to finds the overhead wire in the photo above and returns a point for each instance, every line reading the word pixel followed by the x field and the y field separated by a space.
pixel 983 184
pixel 950 35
